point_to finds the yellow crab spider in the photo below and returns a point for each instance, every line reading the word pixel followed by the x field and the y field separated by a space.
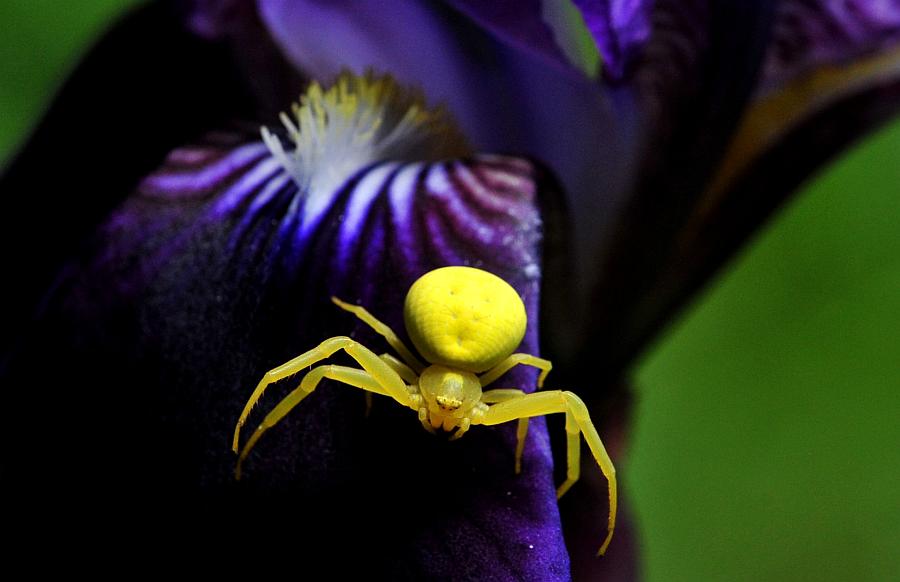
pixel 465 323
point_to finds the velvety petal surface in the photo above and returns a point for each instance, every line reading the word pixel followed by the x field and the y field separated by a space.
pixel 821 53
pixel 810 34
pixel 621 28
pixel 519 22
pixel 217 269
pixel 58 166
pixel 216 18
pixel 693 80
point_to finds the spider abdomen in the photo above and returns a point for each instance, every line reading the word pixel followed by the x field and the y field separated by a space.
pixel 464 318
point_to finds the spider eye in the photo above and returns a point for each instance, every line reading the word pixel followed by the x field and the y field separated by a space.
pixel 448 391
pixel 464 318
pixel 448 404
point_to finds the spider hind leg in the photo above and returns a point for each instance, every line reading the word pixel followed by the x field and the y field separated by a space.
pixel 344 374
pixel 502 395
pixel 389 380
pixel 578 420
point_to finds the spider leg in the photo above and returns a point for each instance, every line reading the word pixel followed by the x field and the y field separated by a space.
pixel 502 395
pixel 350 376
pixel 577 420
pixel 515 359
pixel 383 330
pixel 386 377
pixel 402 369
pixel 573 454
pixel 423 418
pixel 462 429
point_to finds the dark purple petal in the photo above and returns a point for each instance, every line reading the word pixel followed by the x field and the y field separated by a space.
pixel 253 55
pixel 739 125
pixel 620 28
pixel 821 53
pixel 215 18
pixel 694 78
pixel 134 121
pixel 518 22
pixel 698 68
pixel 732 210
pixel 216 270
pixel 810 34
pixel 832 74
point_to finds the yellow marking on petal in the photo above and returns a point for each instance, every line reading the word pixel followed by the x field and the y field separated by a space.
pixel 774 115
pixel 356 122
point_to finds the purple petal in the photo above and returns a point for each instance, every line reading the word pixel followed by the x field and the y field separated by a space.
pixel 195 287
pixel 821 53
pixel 694 78
pixel 738 124
pixel 505 99
pixel 215 18
pixel 732 210
pixel 520 23
pixel 832 73
pixel 621 28
pixel 269 80
pixel 59 164
pixel 809 34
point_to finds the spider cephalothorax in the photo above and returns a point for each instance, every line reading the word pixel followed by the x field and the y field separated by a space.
pixel 466 323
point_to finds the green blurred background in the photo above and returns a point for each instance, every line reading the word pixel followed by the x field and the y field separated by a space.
pixel 765 445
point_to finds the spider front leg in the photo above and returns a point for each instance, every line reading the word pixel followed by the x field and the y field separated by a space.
pixel 371 363
pixel 462 429
pixel 514 360
pixel 350 376
pixel 577 420
pixel 502 395
pixel 402 369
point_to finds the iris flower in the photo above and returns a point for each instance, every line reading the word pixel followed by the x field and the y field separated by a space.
pixel 174 256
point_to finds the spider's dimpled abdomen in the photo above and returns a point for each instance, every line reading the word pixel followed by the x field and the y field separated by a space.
pixel 464 317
